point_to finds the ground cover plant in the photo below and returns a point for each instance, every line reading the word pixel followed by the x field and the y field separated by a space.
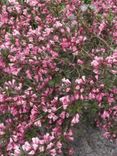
pixel 58 67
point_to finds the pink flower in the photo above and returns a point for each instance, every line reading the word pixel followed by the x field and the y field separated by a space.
pixel 53 152
pixel 2 97
pixel 80 62
pixel 67 81
pixel 106 135
pixel 56 38
pixel 47 137
pixel 95 63
pixel 38 123
pixel 12 70
pixel 57 24
pixel 48 30
pixel 59 145
pixel 65 43
pixel 75 119
pixel 31 152
pixel 12 1
pixel 71 151
pixel 17 151
pixel 2 129
pixel 41 148
pixel 35 146
pixel 35 140
pixel 3 18
pixel 105 115
pixel 50 145
pixel 32 3
pixel 26 146
pixel 65 101
pixel 69 135
pixel 79 81
pixel 101 27
pixel 2 64
pixel 63 115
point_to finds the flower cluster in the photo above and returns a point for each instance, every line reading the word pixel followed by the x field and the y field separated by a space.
pixel 58 60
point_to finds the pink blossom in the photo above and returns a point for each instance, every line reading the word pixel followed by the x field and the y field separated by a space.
pixel 66 81
pixel 26 146
pixel 105 115
pixel 53 152
pixel 75 119
pixel 65 101
pixel 57 24
pixel 65 43
pixel 17 151
pixel 50 145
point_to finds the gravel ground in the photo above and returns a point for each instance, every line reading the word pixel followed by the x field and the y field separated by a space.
pixel 89 142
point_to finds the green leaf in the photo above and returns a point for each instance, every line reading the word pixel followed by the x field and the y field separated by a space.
pixel 87 1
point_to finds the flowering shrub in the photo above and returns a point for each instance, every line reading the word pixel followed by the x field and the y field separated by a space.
pixel 58 66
